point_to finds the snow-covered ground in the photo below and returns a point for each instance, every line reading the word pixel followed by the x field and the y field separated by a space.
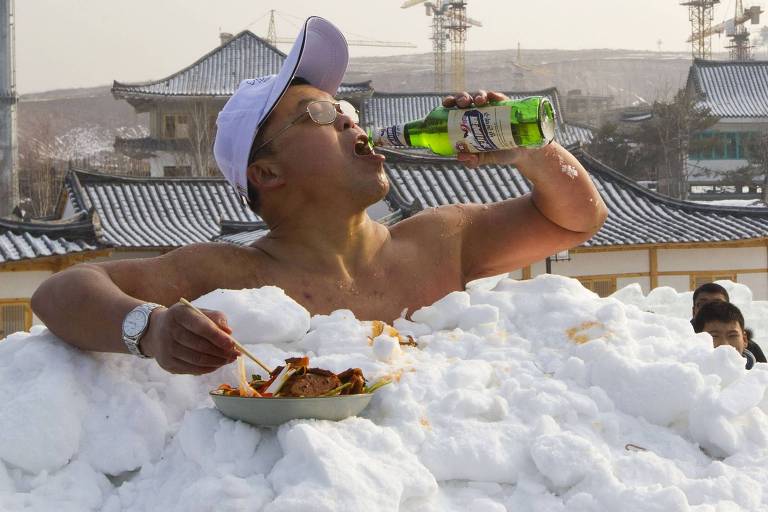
pixel 522 395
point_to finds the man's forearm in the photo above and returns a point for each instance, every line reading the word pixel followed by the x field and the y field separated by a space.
pixel 562 189
pixel 84 308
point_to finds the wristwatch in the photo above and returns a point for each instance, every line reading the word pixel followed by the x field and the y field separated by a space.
pixel 135 325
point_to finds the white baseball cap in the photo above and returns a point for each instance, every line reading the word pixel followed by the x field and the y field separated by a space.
pixel 319 55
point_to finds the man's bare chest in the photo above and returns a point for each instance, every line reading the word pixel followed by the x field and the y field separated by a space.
pixel 381 292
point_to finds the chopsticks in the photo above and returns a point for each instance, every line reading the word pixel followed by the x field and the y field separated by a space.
pixel 241 348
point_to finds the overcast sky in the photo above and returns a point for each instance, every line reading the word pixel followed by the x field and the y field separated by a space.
pixel 81 43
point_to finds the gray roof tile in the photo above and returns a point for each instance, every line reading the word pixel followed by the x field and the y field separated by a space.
pixel 27 240
pixel 636 215
pixel 220 71
pixel 731 89
pixel 156 212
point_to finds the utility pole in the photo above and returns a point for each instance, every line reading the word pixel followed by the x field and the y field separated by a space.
pixel 9 179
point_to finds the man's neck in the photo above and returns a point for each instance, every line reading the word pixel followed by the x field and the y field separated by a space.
pixel 340 245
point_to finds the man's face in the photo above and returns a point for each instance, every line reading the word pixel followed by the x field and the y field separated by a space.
pixel 320 161
pixel 727 333
pixel 704 298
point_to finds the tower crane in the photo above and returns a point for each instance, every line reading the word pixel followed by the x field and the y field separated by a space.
pixel 701 14
pixel 274 39
pixel 449 24
pixel 734 29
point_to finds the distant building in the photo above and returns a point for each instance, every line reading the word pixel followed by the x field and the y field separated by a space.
pixel 737 93
pixel 183 107
pixel 587 109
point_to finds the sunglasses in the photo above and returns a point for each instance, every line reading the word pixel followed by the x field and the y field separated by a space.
pixel 321 112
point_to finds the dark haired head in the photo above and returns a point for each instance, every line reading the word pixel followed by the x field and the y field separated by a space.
pixel 254 201
pixel 717 311
pixel 711 288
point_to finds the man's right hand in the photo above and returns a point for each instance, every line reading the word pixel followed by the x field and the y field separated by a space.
pixel 183 341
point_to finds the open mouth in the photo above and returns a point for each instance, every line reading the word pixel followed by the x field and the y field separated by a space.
pixel 363 147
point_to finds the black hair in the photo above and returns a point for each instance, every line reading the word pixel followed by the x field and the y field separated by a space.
pixel 717 311
pixel 711 288
pixel 254 201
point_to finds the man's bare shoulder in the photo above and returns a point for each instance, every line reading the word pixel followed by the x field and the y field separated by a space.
pixel 439 222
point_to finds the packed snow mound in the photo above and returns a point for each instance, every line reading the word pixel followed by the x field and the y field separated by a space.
pixel 521 395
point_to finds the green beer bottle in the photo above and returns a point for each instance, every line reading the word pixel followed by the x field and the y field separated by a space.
pixel 528 123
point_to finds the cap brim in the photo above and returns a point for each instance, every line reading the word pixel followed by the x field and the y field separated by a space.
pixel 319 55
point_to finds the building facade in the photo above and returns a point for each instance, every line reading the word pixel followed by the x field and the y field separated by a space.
pixel 737 93
pixel 183 107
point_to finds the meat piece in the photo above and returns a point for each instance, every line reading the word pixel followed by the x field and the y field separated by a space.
pixel 355 377
pixel 298 362
pixel 314 382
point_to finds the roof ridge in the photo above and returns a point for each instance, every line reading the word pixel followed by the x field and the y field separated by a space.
pixel 240 35
pixel 534 92
pixel 604 168
pixel 96 176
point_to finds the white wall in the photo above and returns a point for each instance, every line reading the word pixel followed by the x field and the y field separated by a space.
pixel 757 282
pixel 712 259
pixel 22 284
pixel 601 263
pixel 644 282
pixel 680 283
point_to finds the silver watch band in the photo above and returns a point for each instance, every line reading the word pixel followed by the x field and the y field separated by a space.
pixel 135 325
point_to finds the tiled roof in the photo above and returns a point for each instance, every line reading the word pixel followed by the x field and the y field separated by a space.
pixel 220 71
pixel 731 89
pixel 385 109
pixel 27 240
pixel 156 212
pixel 636 215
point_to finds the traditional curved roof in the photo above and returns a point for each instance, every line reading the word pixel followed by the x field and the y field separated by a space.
pixel 156 212
pixel 26 240
pixel 731 89
pixel 386 109
pixel 637 216
pixel 219 72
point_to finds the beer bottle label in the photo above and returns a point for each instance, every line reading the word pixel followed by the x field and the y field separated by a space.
pixel 391 136
pixel 480 129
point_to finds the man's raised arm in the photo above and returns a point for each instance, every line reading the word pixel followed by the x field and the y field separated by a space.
pixel 86 306
pixel 563 210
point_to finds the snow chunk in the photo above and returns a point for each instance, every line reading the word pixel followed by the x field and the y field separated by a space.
pixel 261 315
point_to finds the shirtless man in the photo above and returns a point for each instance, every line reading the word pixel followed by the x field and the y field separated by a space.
pixel 310 178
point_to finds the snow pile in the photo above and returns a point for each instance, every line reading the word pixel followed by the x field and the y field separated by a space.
pixel 522 395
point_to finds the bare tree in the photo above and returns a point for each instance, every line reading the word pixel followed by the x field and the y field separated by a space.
pixel 756 149
pixel 201 134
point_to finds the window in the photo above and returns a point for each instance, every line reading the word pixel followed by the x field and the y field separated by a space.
pixel 15 315
pixel 719 146
pixel 699 278
pixel 603 286
pixel 175 126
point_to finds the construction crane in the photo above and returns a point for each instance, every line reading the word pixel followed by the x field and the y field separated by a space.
pixel 274 40
pixel 449 24
pixel 701 13
pixel 733 28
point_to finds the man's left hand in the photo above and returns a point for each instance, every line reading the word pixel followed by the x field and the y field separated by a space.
pixel 479 99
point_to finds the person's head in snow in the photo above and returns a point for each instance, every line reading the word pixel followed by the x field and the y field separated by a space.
pixel 725 323
pixel 706 293
pixel 299 158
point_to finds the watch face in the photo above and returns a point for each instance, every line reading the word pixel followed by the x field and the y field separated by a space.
pixel 134 323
